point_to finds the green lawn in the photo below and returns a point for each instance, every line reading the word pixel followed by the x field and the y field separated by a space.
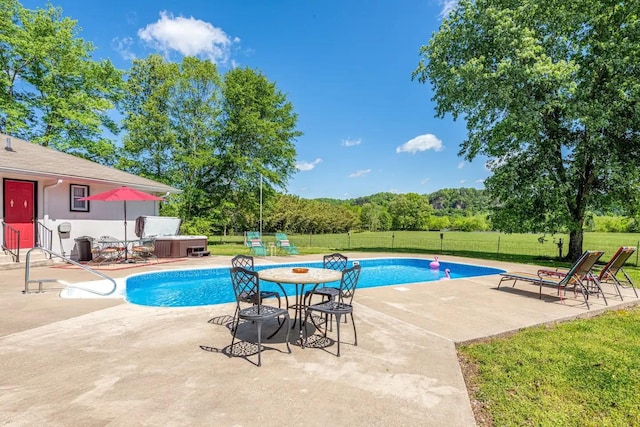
pixel 580 373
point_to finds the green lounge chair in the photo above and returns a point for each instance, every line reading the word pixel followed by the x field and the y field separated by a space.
pixel 283 243
pixel 255 245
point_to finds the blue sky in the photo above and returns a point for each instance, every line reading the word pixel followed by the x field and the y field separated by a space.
pixel 345 65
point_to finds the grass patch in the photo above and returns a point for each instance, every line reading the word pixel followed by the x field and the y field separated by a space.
pixel 580 373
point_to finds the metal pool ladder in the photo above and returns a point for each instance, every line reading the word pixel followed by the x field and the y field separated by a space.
pixel 28 280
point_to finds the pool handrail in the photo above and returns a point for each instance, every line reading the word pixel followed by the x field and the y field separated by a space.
pixel 28 280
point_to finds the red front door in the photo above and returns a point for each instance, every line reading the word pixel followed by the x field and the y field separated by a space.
pixel 19 211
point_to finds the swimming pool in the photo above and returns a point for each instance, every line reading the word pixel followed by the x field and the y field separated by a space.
pixel 186 288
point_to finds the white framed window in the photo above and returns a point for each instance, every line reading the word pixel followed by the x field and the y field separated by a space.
pixel 76 192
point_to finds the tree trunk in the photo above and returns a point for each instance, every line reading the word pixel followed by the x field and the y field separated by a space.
pixel 575 245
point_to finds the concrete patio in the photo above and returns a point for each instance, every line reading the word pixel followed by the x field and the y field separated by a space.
pixel 105 362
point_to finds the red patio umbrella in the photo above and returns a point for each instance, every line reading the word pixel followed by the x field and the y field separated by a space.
pixel 122 194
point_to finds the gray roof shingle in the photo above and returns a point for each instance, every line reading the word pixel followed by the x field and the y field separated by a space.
pixel 32 159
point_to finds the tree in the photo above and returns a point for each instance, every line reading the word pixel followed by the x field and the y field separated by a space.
pixel 172 113
pixel 222 140
pixel 375 217
pixel 51 91
pixel 550 93
pixel 292 214
pixel 410 212
pixel 255 152
pixel 149 138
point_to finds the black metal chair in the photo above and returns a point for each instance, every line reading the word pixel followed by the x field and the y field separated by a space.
pixel 338 307
pixel 246 282
pixel 335 261
pixel 246 262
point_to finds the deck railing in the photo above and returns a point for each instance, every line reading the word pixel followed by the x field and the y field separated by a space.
pixel 11 241
pixel 44 237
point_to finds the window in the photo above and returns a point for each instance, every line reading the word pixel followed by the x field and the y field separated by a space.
pixel 77 192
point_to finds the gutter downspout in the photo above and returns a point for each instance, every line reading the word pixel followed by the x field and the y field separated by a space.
pixel 45 203
pixel 163 199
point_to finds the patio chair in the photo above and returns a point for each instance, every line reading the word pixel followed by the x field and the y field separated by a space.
pixel 283 243
pixel 335 261
pixel 609 272
pixel 246 262
pixel 341 306
pixel 143 250
pixel 579 276
pixel 255 245
pixel 246 282
pixel 109 249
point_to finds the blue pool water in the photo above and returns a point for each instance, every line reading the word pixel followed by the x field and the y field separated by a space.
pixel 185 288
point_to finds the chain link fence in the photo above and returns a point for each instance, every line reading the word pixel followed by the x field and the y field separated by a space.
pixel 473 244
pixel 500 245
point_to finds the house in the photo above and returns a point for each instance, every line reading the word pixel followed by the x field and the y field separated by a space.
pixel 40 192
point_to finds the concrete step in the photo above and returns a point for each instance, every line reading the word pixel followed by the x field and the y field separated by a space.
pixel 37 259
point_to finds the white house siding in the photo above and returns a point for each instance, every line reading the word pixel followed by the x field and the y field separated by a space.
pixel 102 219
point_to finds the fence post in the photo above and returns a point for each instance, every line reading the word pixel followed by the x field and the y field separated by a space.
pixel 441 239
pixel 637 246
pixel 498 253
pixel 560 248
pixel 393 238
pixel 349 239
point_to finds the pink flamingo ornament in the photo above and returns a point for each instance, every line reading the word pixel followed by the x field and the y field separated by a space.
pixel 447 274
pixel 435 264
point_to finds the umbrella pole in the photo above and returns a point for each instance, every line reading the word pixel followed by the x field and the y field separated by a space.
pixel 126 249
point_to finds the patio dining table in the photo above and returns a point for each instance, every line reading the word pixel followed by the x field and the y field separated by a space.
pixel 299 278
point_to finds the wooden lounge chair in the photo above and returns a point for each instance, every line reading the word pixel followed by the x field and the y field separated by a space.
pixel 610 271
pixel 579 276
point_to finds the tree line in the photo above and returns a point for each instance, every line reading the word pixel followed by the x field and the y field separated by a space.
pixel 459 209
pixel 456 208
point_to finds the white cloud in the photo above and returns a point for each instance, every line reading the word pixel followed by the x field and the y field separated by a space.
pixel 360 173
pixel 421 143
pixel 460 165
pixel 351 142
pixel 462 181
pixel 123 47
pixel 480 181
pixel 307 166
pixel 188 36
pixel 447 7
pixel 425 181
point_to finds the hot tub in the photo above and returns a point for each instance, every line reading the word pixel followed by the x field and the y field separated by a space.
pixel 177 246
